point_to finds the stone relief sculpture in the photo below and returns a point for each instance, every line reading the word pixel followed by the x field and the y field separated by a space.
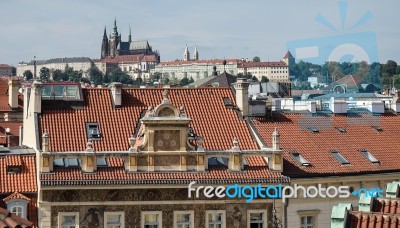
pixel 91 218
pixel 237 217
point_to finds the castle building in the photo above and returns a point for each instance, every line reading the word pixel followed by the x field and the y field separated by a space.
pixel 113 45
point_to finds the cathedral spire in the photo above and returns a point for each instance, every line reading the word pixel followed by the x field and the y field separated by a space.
pixel 186 54
pixel 105 32
pixel 195 53
pixel 115 30
pixel 130 35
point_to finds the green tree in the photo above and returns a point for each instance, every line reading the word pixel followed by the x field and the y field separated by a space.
pixel 28 75
pixel 256 59
pixel 117 75
pixel 95 75
pixel 58 75
pixel 155 77
pixel 184 81
pixel 191 80
pixel 44 74
pixel 264 79
pixel 390 68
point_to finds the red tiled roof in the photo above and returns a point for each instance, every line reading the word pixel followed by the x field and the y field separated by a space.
pixel 360 219
pixel 10 220
pixel 288 55
pixel 129 59
pixel 16 195
pixel 349 80
pixel 14 130
pixel 4 106
pixel 210 118
pixel 12 160
pixel 24 181
pixel 316 148
pixel 262 64
pixel 208 61
pixel 5 66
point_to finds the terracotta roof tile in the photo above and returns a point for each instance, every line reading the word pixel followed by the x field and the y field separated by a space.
pixel 316 148
pixel 13 160
pixel 373 220
pixel 16 195
pixel 210 118
pixel 8 219
pixel 263 64
pixel 23 181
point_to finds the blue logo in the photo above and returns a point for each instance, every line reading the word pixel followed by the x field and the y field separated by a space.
pixel 372 192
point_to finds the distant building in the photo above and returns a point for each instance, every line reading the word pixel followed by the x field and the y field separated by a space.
pixel 274 71
pixel 317 80
pixel 351 84
pixel 114 46
pixel 5 69
pixel 78 63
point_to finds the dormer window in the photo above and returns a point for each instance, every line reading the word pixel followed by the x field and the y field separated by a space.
pixel 369 156
pixel 300 159
pixel 13 169
pixel 93 131
pixel 17 204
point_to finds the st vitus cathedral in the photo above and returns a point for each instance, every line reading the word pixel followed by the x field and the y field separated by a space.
pixel 114 46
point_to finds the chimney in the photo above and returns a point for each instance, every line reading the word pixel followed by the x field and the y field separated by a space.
pixel 131 162
pixel 13 93
pixel 276 163
pixel 89 159
pixel 46 158
pixel 36 93
pixel 275 140
pixel 235 160
pixel 116 93
pixel 242 95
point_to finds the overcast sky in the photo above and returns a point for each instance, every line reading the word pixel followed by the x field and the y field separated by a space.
pixel 220 29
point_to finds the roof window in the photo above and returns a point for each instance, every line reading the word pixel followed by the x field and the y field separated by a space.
pixel 341 129
pixel 377 129
pixel 300 159
pixel 93 131
pixel 313 130
pixel 369 156
pixel 340 158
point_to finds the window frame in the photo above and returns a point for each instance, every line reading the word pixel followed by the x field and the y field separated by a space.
pixel 340 158
pixel 159 218
pixel 176 213
pixel 264 217
pixel 18 213
pixel 62 214
pixel 122 218
pixel 223 212
pixel 306 213
pixel 368 155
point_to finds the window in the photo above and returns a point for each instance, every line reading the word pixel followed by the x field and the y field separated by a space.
pixel 93 131
pixel 183 219
pixel 257 219
pixel 308 218
pixel 313 130
pixel 300 159
pixel 215 219
pixel 17 210
pixel 340 158
pixel 68 219
pixel 307 222
pixel 341 129
pixel 369 156
pixel 152 219
pixel 114 219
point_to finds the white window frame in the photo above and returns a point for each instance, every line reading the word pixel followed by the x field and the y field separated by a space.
pixel 62 214
pixel 19 213
pixel 208 212
pixel 191 213
pixel 122 218
pixel 306 213
pixel 264 217
pixel 159 213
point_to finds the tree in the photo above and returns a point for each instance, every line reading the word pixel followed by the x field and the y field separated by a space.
pixel 95 75
pixel 256 59
pixel 28 75
pixel 264 79
pixel 44 74
pixel 184 81
pixel 117 75
pixel 58 75
pixel 155 77
pixel 191 80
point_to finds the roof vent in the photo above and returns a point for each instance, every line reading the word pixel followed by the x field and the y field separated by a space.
pixel 341 129
pixel 377 129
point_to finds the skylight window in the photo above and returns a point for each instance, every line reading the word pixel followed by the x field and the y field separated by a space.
pixel 61 91
pixel 377 128
pixel 227 102
pixel 313 130
pixel 300 159
pixel 101 162
pixel 341 129
pixel 93 131
pixel 369 156
pixel 340 158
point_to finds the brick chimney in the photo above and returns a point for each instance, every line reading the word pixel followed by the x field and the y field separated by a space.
pixel 13 93
pixel 116 93
pixel 242 95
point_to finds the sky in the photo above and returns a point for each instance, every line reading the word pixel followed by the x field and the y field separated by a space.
pixel 219 28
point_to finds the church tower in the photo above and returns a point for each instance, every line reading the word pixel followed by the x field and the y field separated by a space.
pixel 195 54
pixel 114 40
pixel 130 35
pixel 104 45
pixel 186 54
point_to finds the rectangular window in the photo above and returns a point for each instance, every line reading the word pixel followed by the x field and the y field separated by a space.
pixel 93 131
pixel 183 219
pixel 68 219
pixel 340 158
pixel 215 219
pixel 300 159
pixel 114 219
pixel 257 219
pixel 152 219
pixel 369 156
pixel 307 222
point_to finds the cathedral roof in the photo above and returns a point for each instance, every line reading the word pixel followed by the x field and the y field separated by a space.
pixel 139 45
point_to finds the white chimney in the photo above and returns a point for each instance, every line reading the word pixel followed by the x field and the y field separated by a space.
pixel 242 95
pixel 116 92
pixel 13 93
